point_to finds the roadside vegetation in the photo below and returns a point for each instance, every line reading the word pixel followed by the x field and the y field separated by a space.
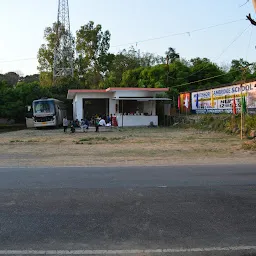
pixel 96 67
pixel 230 124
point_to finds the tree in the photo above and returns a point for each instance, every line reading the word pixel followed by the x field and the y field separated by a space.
pixel 92 45
pixel 45 54
pixel 171 55
pixel 11 78
pixel 128 60
pixel 203 68
pixel 240 70
pixel 30 78
pixel 131 77
pixel 46 51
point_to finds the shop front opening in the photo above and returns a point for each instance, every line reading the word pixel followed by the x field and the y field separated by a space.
pixel 95 107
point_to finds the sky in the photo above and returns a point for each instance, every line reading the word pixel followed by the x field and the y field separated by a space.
pixel 22 24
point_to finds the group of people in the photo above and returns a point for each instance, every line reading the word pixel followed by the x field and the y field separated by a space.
pixel 85 124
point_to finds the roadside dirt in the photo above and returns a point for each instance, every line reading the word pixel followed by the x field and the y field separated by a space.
pixel 127 147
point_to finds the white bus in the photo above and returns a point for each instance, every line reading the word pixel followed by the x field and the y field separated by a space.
pixel 48 112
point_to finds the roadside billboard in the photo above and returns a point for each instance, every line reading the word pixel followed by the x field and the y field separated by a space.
pixel 221 99
pixel 185 102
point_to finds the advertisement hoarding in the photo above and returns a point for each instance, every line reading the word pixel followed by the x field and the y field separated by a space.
pixel 185 103
pixel 221 99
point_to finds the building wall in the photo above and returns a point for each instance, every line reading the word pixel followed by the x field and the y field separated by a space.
pixel 136 120
pixel 149 106
pixel 138 94
pixel 112 107
pixel 78 111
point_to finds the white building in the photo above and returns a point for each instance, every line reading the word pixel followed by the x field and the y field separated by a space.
pixel 131 106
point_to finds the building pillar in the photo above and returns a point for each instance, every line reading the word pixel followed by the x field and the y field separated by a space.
pixel 79 108
pixel 112 106
pixel 154 108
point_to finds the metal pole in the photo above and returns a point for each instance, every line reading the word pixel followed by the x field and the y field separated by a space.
pixel 241 123
pixel 241 111
pixel 122 113
pixel 168 70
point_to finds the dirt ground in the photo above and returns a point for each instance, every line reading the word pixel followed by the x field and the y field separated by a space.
pixel 121 147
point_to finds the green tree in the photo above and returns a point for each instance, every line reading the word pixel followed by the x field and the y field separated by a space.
pixel 93 61
pixel 240 70
pixel 203 68
pixel 46 51
pixel 128 60
pixel 171 55
pixel 10 78
pixel 45 54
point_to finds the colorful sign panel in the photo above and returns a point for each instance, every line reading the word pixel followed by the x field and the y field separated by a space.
pixel 221 99
pixel 185 102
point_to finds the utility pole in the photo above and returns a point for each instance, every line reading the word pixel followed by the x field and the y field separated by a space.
pixel 63 52
pixel 168 69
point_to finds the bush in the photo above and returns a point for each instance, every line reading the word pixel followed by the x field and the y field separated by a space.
pixel 227 123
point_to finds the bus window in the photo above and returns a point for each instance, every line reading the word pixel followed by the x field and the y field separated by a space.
pixel 44 107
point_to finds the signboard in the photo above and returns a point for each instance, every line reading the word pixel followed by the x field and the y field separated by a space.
pixel 221 99
pixel 185 103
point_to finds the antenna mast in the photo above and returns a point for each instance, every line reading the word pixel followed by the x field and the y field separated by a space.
pixel 63 52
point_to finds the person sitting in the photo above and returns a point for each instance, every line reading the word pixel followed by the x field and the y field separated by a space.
pixel 84 124
pixel 72 127
pixel 102 122
pixel 108 119
pixel 77 124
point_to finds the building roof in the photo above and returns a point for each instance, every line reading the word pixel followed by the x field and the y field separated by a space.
pixel 73 92
pixel 114 89
pixel 144 99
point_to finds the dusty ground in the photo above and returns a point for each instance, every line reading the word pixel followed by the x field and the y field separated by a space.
pixel 127 147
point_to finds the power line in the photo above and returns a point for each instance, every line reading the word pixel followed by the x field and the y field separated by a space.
pixel 249 43
pixel 205 79
pixel 178 34
pixel 209 78
pixel 26 59
pixel 150 39
pixel 233 41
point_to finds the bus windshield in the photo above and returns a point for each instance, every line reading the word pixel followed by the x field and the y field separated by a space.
pixel 44 107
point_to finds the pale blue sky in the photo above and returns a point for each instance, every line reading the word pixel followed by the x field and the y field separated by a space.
pixel 22 24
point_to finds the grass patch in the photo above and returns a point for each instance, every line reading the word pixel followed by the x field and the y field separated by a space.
pixel 16 141
pixel 32 141
pixel 96 140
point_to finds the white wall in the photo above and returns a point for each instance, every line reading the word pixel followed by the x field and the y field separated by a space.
pixel 95 95
pixel 112 106
pixel 136 120
pixel 79 107
pixel 74 109
pixel 138 94
pixel 78 112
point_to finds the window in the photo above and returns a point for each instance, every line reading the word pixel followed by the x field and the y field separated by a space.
pixel 44 107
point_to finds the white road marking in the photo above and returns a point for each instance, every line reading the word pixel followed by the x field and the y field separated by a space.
pixel 120 252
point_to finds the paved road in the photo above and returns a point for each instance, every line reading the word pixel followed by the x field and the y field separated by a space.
pixel 127 208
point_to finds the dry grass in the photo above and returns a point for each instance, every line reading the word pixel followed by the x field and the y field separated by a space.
pixel 141 146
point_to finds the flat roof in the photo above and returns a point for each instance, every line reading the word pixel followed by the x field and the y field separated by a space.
pixel 114 89
pixel 143 99
pixel 73 92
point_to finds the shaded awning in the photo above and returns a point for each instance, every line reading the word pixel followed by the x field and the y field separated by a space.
pixel 143 99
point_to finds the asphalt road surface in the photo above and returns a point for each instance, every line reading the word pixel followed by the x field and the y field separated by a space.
pixel 135 210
